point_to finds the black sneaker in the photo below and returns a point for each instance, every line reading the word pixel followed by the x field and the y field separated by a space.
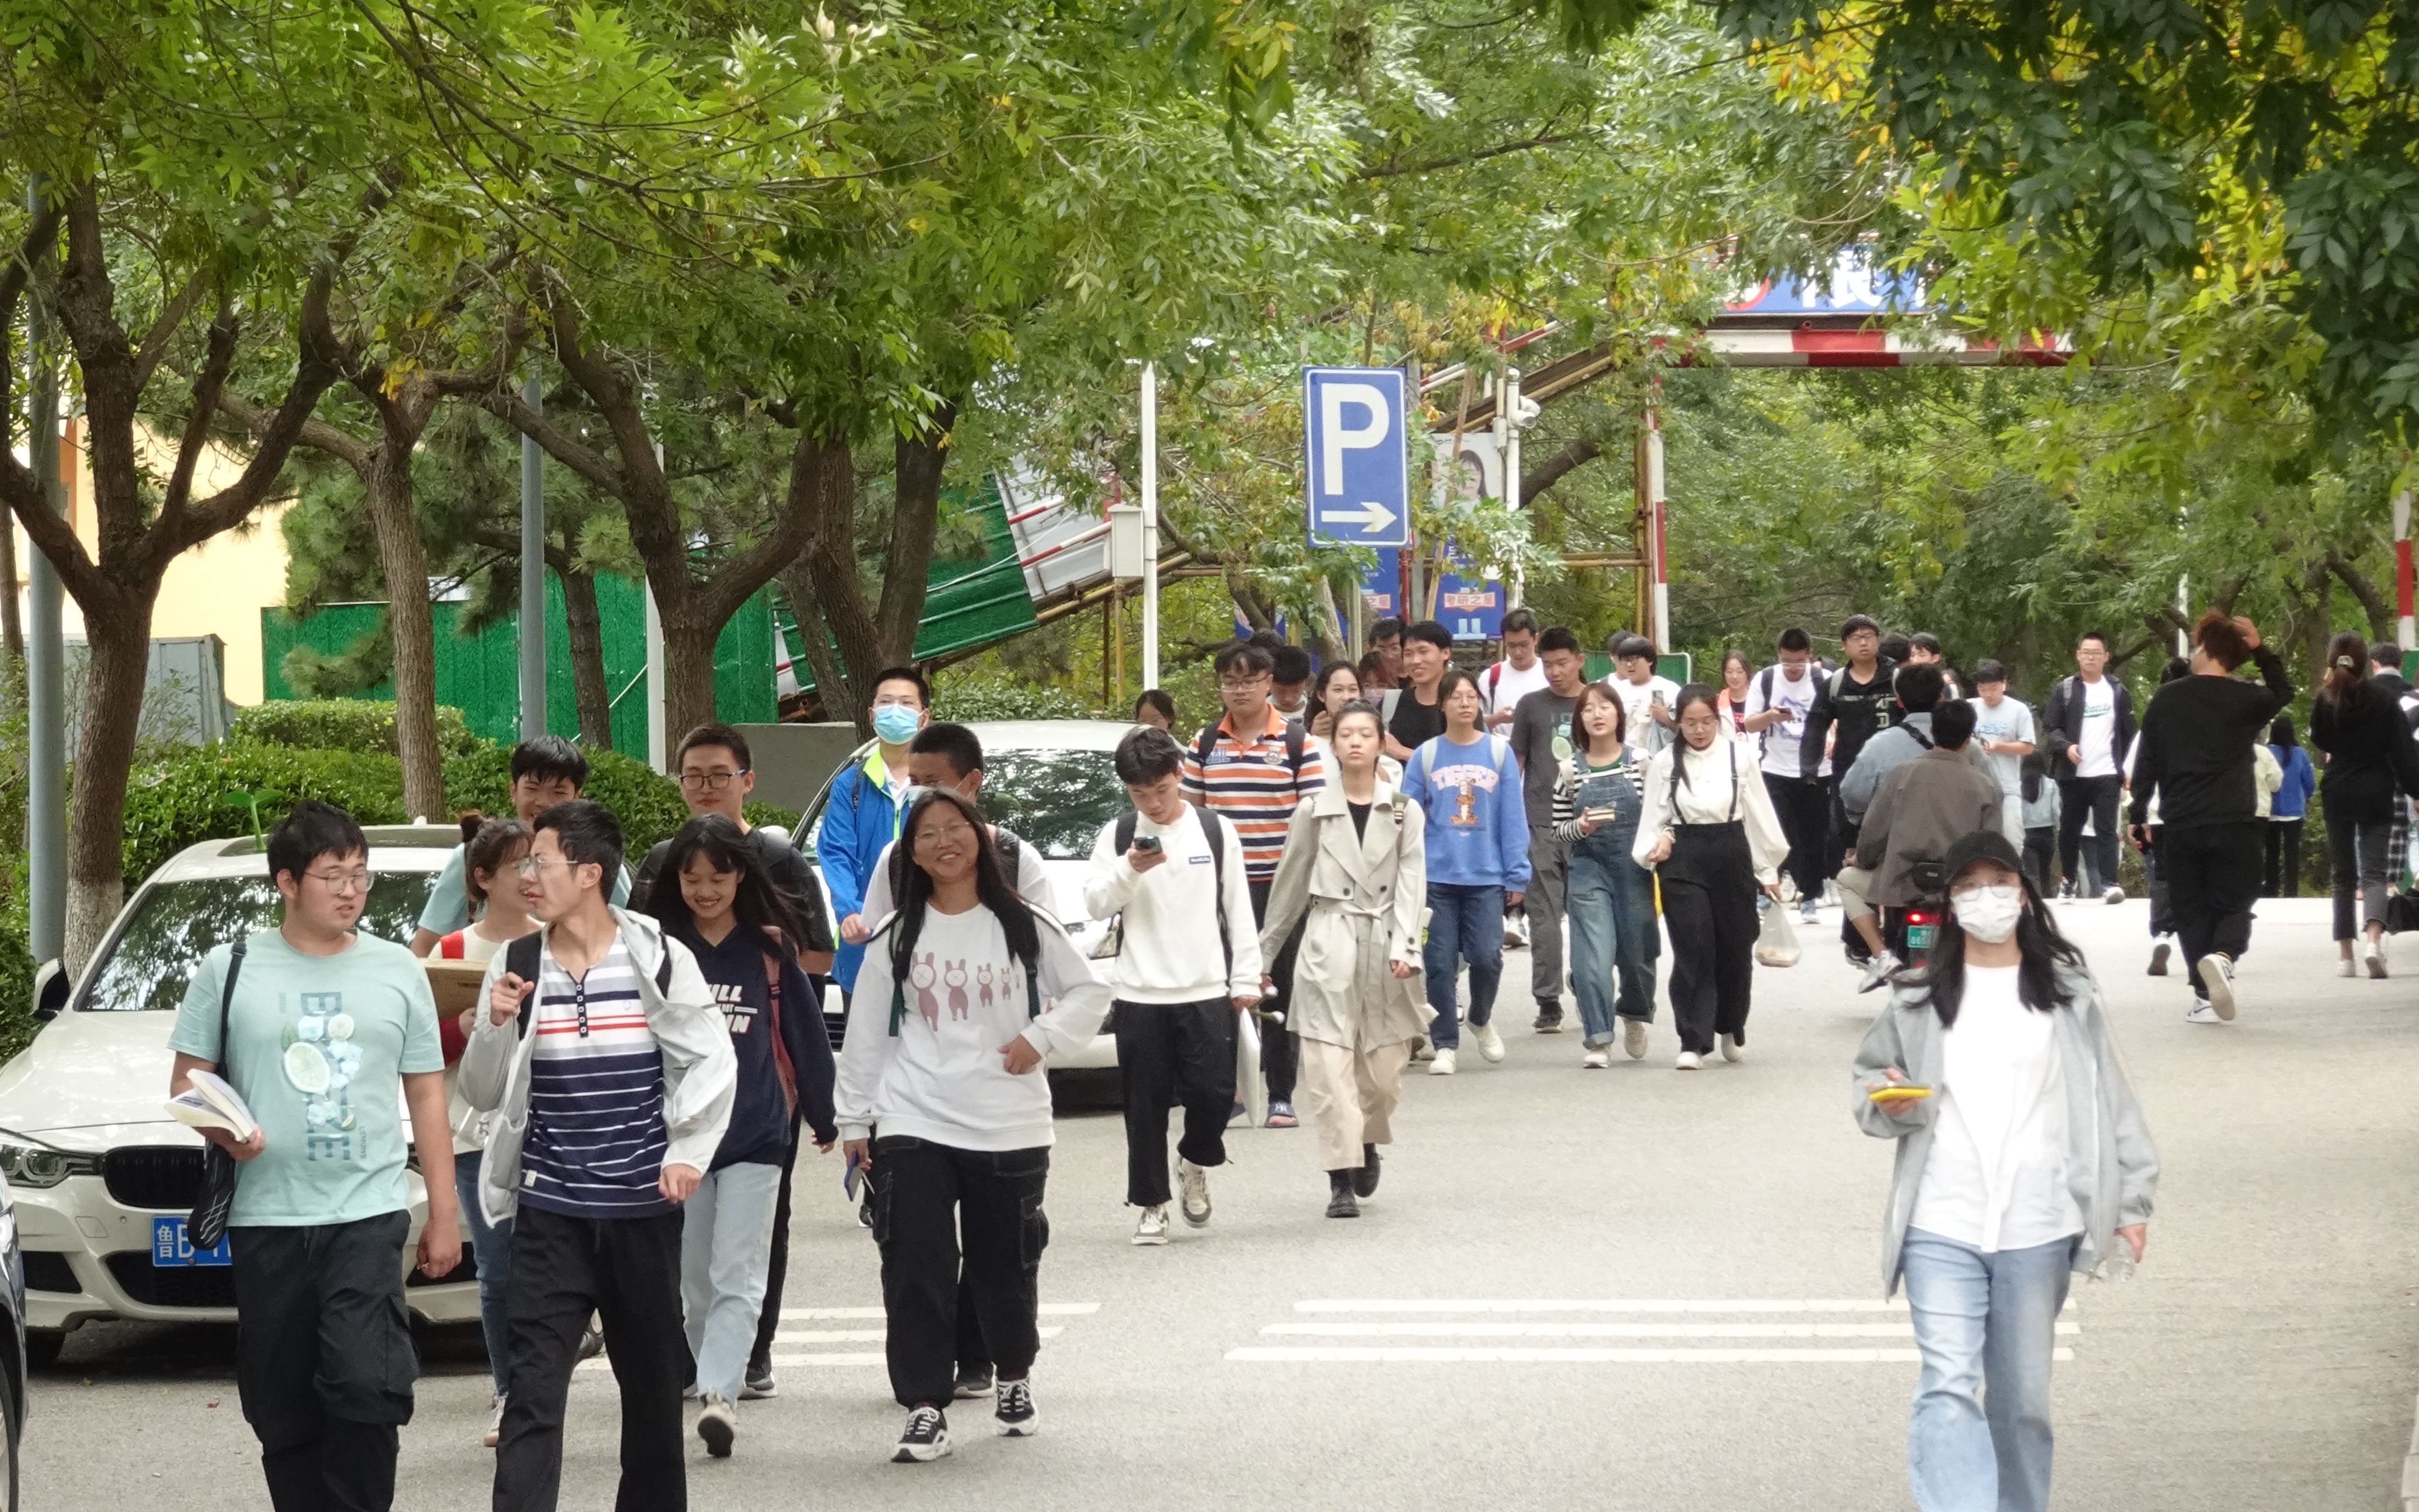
pixel 926 1437
pixel 973 1380
pixel 1549 1018
pixel 1015 1415
pixel 760 1384
pixel 1364 1180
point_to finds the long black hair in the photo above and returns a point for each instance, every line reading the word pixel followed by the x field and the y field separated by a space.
pixel 914 889
pixel 2044 949
pixel 759 904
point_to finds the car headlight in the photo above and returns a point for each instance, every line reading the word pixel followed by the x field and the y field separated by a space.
pixel 38 1167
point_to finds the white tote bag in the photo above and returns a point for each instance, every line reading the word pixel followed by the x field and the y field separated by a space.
pixel 1249 1084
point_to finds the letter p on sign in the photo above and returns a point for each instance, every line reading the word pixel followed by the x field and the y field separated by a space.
pixel 1336 438
pixel 1356 465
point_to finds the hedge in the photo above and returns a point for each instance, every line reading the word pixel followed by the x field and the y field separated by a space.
pixel 359 725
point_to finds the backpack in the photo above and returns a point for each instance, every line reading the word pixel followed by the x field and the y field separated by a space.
pixel 1296 744
pixel 1113 942
pixel 521 960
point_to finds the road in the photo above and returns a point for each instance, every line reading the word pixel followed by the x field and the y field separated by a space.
pixel 2262 1358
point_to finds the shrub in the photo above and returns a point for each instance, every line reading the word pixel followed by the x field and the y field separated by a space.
pixel 361 725
pixel 178 802
pixel 968 700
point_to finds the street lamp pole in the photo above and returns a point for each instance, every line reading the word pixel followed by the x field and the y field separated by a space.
pixel 532 625
pixel 1150 525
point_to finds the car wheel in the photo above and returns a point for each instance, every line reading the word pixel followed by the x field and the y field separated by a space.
pixel 43 1347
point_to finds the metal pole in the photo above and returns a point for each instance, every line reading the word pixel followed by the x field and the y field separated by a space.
pixel 2184 610
pixel 2405 630
pixel 1658 511
pixel 1510 410
pixel 532 571
pixel 46 713
pixel 1150 525
pixel 658 740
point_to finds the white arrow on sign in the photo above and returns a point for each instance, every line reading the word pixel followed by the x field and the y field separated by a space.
pixel 1372 516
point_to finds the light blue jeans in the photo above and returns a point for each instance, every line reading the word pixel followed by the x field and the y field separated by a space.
pixel 491 1249
pixel 1982 1321
pixel 726 1251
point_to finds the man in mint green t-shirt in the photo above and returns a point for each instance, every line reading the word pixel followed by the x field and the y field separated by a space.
pixel 323 1026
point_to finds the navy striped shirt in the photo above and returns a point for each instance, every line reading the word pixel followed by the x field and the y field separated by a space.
pixel 597 1141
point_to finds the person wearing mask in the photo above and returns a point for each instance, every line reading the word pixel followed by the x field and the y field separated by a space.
pixel 861 811
pixel 943 1102
pixel 329 1035
pixel 1252 770
pixel 2371 763
pixel 2297 781
pixel 546 770
pixel 2003 732
pixel 1413 716
pixel 2022 1160
pixel 1730 701
pixel 1354 876
pixel 1161 874
pixel 717 897
pixel 1645 695
pixel 1708 829
pixel 1778 702
pixel 1598 799
pixel 1542 742
pixel 1477 841
pixel 2195 759
pixel 1386 644
pixel 609 1068
pixel 1521 673
pixel 1923 649
pixel 1922 808
pixel 1851 706
pixel 2088 722
pixel 1154 707
pixel 2041 795
pixel 1289 682
pixel 492 849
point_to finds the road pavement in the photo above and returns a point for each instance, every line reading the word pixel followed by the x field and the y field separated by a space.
pixel 1624 1289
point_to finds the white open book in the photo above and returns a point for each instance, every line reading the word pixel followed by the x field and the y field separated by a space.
pixel 209 1103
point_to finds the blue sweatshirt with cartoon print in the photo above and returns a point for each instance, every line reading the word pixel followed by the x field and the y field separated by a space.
pixel 1478 827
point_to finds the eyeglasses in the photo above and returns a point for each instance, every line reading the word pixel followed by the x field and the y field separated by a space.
pixel 959 833
pixel 344 883
pixel 710 781
pixel 529 866
pixel 1248 685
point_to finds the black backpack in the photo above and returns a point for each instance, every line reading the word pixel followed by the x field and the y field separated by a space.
pixel 1296 743
pixel 521 960
pixel 1213 827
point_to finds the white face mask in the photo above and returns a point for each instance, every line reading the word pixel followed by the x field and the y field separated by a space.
pixel 1988 913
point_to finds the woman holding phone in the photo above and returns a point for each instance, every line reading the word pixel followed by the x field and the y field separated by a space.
pixel 1597 803
pixel 2022 1159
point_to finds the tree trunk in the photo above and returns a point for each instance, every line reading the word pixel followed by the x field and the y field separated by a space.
pixel 915 518
pixel 822 470
pixel 831 684
pixel 119 643
pixel 12 626
pixel 404 563
pixel 2317 622
pixel 589 688
pixel 689 676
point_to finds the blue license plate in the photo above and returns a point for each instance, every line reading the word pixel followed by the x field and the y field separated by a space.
pixel 1919 936
pixel 171 1245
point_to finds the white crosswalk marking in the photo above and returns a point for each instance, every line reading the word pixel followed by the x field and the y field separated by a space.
pixel 1439 1356
pixel 793 1346
pixel 1607 1330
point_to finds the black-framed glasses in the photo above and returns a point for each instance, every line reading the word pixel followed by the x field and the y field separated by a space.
pixel 710 781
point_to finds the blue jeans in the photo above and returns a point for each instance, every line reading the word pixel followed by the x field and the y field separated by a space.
pixel 1465 922
pixel 1982 1321
pixel 491 1249
pixel 1611 904
pixel 725 1252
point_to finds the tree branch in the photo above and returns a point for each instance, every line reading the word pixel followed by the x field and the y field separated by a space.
pixel 2372 598
pixel 1465 159
pixel 312 376
pixel 1536 480
pixel 163 330
pixel 208 385
pixel 316 434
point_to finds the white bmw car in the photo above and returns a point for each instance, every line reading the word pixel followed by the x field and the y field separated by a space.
pixel 102 1176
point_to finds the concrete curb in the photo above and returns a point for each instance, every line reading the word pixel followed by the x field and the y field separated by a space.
pixel 2408 1501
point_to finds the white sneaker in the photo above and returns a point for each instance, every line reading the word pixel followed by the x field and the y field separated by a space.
pixel 1193 1192
pixel 495 1425
pixel 1443 1064
pixel 2374 957
pixel 1633 1037
pixel 1806 910
pixel 2344 968
pixel 1877 971
pixel 1597 1058
pixel 717 1425
pixel 2202 1014
pixel 1732 1049
pixel 1152 1229
pixel 2217 975
pixel 1490 1044
pixel 2114 895
pixel 1689 1060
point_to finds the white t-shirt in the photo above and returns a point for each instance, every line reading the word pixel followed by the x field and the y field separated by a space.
pixel 1640 731
pixel 1502 685
pixel 1995 1178
pixel 2011 720
pixel 1784 742
pixel 2097 744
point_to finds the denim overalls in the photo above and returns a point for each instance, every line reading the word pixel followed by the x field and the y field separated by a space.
pixel 1611 905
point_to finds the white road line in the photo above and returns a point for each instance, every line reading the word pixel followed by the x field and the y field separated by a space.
pixel 860 1335
pixel 828 1359
pixel 1606 1331
pixel 1525 1356
pixel 1761 1305
pixel 1048 1309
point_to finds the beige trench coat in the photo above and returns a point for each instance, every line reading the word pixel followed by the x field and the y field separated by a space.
pixel 1367 897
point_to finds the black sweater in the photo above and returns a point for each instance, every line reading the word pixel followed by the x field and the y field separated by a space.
pixel 2196 746
pixel 1858 711
pixel 736 969
pixel 2369 753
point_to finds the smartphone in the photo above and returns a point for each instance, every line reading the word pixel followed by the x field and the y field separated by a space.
pixel 1147 844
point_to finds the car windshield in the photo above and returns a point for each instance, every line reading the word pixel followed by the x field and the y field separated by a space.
pixel 174 924
pixel 1054 797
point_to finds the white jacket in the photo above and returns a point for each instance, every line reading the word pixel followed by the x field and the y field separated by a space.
pixel 1172 953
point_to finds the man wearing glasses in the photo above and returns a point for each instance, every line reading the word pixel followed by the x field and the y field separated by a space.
pixel 717 777
pixel 547 770
pixel 317 1025
pixel 861 816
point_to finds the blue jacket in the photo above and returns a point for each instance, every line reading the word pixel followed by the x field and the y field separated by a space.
pixel 860 820
pixel 2292 800
pixel 1478 825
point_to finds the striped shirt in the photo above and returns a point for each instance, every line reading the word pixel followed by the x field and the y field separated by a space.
pixel 1251 785
pixel 597 1140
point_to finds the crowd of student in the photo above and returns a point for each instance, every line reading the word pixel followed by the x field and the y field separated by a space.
pixel 628 1094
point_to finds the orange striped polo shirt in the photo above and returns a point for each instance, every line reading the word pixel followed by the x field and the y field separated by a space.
pixel 1249 785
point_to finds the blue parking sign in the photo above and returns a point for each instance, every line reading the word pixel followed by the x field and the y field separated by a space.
pixel 1356 455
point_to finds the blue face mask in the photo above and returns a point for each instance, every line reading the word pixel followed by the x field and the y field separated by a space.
pixel 895 724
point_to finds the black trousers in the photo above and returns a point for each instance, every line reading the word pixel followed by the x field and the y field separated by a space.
pixel 1172 1055
pixel 1843 837
pixel 936 1206
pixel 323 1359
pixel 2162 897
pixel 1280 1049
pixel 2284 878
pixel 777 1267
pixel 1712 926
pixel 2213 873
pixel 627 1272
pixel 2093 798
pixel 2041 858
pixel 1805 809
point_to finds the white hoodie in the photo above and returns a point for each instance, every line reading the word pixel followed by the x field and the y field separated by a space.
pixel 1172 952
